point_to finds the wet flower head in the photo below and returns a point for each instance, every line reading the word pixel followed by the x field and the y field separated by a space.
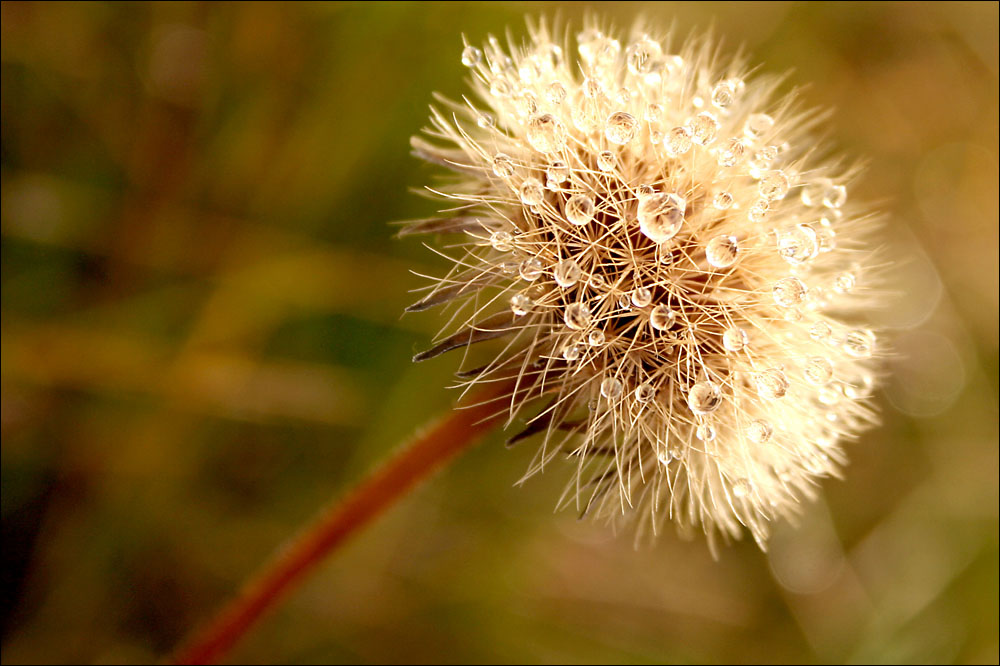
pixel 677 280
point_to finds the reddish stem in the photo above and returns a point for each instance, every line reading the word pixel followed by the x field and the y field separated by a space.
pixel 410 465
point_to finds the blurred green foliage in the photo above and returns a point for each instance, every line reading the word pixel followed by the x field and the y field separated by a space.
pixel 202 344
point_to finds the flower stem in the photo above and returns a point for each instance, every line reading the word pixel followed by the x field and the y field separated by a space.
pixel 389 482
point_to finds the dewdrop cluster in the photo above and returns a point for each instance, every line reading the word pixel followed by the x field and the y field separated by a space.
pixel 675 283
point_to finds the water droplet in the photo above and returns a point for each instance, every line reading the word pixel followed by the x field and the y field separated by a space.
pixel 591 88
pixel 722 251
pixel 757 125
pixel 828 395
pixel 508 267
pixel 723 94
pixel 844 282
pixel 567 273
pixel 499 87
pixel 611 388
pixel 556 175
pixel 621 127
pixel 579 209
pixel 597 282
pixel 761 160
pixel 758 211
pixel 820 331
pixel 705 432
pixel 722 200
pixel 623 302
pixel 834 196
pixel 759 431
pixel 798 245
pixel 742 488
pixel 555 93
pixel 520 304
pixel 502 241
pixel 793 314
pixel 678 141
pixel 503 166
pixel 662 317
pixel 734 339
pixel 641 297
pixel 471 56
pixel 641 56
pixel 661 215
pixel 644 393
pixel 812 191
pixel 485 120
pixel 530 269
pixel 546 134
pixel 532 192
pixel 653 113
pixel 704 398
pixel 827 238
pixel 596 338
pixel 859 343
pixel 789 292
pixel 731 153
pixel 774 185
pixel 772 384
pixel 818 370
pixel 577 316
pixel 606 160
pixel 571 351
pixel 703 128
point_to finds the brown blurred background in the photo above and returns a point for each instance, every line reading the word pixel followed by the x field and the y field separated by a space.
pixel 202 344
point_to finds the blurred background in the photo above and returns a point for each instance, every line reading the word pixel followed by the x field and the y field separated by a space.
pixel 202 344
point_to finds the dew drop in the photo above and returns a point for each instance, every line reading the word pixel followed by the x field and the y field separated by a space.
pixel 579 209
pixel 844 282
pixel 597 282
pixel 704 398
pixel 703 128
pixel 532 192
pixel 723 94
pixel 678 141
pixel 661 215
pixel 555 93
pixel 611 388
pixel 772 384
pixel 834 196
pixel 499 87
pixel 546 134
pixel 705 432
pixel 734 339
pixel 577 316
pixel 741 488
pixel 596 338
pixel 798 245
pixel 530 269
pixel 731 153
pixel 859 343
pixel 520 304
pixel 818 371
pixel 623 302
pixel 758 211
pixel 641 56
pixel 644 393
pixel 757 125
pixel 774 185
pixel 485 120
pixel 621 127
pixel 571 351
pixel 722 200
pixel 567 273
pixel 556 175
pixel 759 431
pixel 503 166
pixel 789 292
pixel 591 88
pixel 606 160
pixel 471 56
pixel 761 160
pixel 502 241
pixel 653 113
pixel 722 251
pixel 641 297
pixel 662 317
pixel 820 331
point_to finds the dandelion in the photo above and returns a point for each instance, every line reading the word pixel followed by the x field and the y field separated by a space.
pixel 673 274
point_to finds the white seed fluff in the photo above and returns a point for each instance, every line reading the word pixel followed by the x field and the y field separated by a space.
pixel 640 232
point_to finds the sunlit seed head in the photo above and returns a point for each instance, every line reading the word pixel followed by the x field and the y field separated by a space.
pixel 635 225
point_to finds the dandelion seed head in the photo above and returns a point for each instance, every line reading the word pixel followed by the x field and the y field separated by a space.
pixel 668 269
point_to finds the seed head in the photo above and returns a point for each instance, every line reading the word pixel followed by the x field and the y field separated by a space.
pixel 678 281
